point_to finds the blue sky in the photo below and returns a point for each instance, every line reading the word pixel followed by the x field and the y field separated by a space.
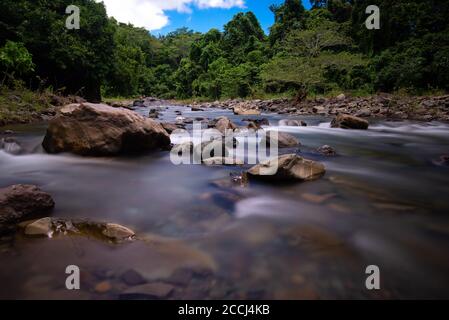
pixel 205 19
pixel 163 16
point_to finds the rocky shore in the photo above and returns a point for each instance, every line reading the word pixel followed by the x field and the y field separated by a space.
pixel 383 106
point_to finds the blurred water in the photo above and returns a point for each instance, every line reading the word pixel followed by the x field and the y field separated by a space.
pixel 387 206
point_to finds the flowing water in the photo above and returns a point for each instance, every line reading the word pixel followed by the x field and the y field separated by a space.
pixel 385 203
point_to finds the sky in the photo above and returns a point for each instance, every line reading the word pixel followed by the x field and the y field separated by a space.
pixel 164 16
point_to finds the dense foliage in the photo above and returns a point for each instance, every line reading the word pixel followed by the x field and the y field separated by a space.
pixel 323 50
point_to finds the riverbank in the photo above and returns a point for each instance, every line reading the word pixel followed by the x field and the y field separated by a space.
pixel 382 106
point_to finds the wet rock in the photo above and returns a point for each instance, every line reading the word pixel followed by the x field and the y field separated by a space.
pixel 156 290
pixel 223 123
pixel 170 127
pixel 222 161
pixel 363 113
pixel 154 114
pixel 289 167
pixel 20 202
pixel 100 130
pixel 196 109
pixel 284 140
pixel 345 121
pixel 41 227
pixel 117 232
pixel 132 278
pixel 6 132
pixel 326 150
pixel 10 145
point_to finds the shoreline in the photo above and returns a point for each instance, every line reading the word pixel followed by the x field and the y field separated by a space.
pixel 388 107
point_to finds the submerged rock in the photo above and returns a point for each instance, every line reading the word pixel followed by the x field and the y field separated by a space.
pixel 100 130
pixel 117 232
pixel 326 150
pixel 222 161
pixel 10 145
pixel 20 202
pixel 211 149
pixel 284 140
pixel 41 227
pixel 289 167
pixel 345 121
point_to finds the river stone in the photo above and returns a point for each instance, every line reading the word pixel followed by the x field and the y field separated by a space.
pixel 100 130
pixel 132 278
pixel 155 290
pixel 346 121
pixel 289 167
pixel 10 145
pixel 222 161
pixel 223 123
pixel 41 227
pixel 284 140
pixel 20 202
pixel 326 150
pixel 117 232
pixel 169 127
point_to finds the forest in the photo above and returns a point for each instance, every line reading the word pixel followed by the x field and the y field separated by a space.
pixel 321 51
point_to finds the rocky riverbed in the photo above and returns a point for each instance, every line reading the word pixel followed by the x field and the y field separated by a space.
pixel 351 191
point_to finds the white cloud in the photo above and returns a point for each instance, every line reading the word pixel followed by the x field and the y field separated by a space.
pixel 150 14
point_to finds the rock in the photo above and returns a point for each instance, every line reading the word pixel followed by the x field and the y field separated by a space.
pixel 363 113
pixel 169 127
pixel 6 132
pixel 284 140
pixel 289 167
pixel 101 130
pixel 41 227
pixel 341 97
pixel 196 109
pixel 222 161
pixel 319 110
pixel 223 123
pixel 326 150
pixel 156 290
pixel 345 121
pixel 132 278
pixel 20 202
pixel 245 111
pixel 10 145
pixel 118 232
pixel 154 114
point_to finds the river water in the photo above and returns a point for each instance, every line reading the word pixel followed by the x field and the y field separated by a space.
pixel 385 204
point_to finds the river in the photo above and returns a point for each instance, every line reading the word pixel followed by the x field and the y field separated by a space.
pixel 384 203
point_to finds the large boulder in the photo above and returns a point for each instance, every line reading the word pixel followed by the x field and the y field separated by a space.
pixel 101 130
pixel 286 168
pixel 346 121
pixel 20 202
pixel 284 140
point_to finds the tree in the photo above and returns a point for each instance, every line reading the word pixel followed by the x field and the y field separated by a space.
pixel 15 60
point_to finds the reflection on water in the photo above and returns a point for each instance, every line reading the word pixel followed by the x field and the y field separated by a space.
pixel 382 202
